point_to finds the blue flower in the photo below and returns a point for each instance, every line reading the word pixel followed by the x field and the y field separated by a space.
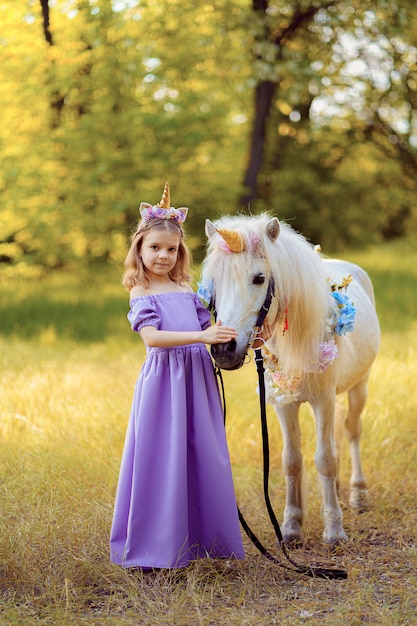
pixel 205 292
pixel 345 322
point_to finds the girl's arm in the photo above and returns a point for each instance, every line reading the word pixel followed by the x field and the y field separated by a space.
pixel 217 333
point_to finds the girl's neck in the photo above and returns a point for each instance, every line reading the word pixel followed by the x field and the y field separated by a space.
pixel 164 285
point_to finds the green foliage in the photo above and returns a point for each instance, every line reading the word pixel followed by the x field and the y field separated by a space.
pixel 340 157
pixel 117 106
pixel 124 95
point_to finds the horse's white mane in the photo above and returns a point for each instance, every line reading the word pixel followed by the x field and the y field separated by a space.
pixel 300 281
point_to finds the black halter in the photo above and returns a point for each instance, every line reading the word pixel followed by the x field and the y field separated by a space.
pixel 267 303
pixel 315 572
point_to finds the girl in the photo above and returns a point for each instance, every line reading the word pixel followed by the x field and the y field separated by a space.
pixel 175 499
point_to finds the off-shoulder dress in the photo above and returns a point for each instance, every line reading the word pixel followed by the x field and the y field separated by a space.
pixel 175 499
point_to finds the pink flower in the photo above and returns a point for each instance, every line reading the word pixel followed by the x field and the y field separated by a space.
pixel 328 353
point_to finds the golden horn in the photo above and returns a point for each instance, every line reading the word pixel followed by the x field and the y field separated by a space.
pixel 233 239
pixel 165 200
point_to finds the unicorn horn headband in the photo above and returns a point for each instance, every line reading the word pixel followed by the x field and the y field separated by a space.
pixel 233 239
pixel 163 210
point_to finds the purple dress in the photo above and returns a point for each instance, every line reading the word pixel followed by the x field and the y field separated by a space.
pixel 175 498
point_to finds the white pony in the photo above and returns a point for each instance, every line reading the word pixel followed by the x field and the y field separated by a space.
pixel 316 350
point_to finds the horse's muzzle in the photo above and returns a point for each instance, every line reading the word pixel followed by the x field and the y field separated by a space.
pixel 226 356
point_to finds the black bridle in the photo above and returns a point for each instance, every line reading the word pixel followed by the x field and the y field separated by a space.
pixel 264 310
pixel 315 572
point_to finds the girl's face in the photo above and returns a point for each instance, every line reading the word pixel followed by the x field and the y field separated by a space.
pixel 159 252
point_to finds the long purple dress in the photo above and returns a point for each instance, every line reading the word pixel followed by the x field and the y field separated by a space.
pixel 175 498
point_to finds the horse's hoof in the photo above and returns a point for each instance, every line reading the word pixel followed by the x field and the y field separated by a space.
pixel 335 537
pixel 292 534
pixel 358 499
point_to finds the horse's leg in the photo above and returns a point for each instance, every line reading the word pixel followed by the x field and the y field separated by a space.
pixel 292 465
pixel 358 498
pixel 339 431
pixel 325 460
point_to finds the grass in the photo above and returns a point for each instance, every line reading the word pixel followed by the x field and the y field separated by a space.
pixel 69 362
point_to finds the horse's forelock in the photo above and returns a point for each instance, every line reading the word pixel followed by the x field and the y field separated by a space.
pixel 232 269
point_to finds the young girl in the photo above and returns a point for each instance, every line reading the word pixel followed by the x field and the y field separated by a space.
pixel 175 499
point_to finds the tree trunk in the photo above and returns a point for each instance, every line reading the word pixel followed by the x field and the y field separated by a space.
pixel 45 17
pixel 266 91
pixel 264 96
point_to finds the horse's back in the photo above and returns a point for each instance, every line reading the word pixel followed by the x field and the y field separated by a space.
pixel 338 270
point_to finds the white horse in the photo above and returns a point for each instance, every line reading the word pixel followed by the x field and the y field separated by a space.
pixel 306 359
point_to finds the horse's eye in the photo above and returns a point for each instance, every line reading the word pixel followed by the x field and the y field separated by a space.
pixel 258 279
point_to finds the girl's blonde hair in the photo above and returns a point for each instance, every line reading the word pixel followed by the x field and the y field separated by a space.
pixel 135 273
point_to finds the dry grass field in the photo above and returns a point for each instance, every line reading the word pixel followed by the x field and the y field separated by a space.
pixel 68 365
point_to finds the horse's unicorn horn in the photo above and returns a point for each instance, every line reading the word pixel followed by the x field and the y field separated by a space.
pixel 165 200
pixel 233 239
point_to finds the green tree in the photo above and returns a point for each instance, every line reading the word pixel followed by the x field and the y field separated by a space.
pixel 120 105
pixel 333 137
pixel 313 102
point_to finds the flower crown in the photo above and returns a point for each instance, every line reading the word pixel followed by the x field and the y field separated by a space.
pixel 163 210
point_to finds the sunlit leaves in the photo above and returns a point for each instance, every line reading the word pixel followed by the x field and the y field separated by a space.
pixel 128 94
pixel 131 93
pixel 340 147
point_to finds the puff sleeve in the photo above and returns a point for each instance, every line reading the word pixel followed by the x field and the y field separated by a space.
pixel 203 314
pixel 143 313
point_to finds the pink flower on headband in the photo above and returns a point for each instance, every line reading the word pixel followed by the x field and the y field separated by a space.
pixel 149 212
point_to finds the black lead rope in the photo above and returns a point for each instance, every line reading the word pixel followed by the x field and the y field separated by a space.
pixel 315 572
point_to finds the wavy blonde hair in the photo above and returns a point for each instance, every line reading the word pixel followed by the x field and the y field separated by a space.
pixel 135 273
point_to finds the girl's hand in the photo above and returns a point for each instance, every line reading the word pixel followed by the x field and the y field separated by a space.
pixel 218 333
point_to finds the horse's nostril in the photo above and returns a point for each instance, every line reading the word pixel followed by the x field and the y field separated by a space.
pixel 226 355
pixel 222 349
pixel 231 346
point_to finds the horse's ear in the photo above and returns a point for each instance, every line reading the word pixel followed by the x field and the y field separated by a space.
pixel 210 229
pixel 273 228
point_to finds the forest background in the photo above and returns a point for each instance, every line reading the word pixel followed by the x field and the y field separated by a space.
pixel 306 109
